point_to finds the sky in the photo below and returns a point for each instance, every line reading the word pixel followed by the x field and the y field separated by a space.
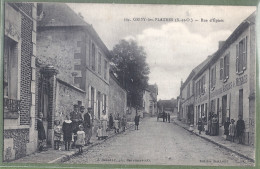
pixel 173 48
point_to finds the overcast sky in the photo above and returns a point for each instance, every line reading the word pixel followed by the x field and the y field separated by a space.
pixel 173 48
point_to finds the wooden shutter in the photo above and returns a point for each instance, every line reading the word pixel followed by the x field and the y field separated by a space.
pixel 221 68
pixel 237 58
pixel 245 53
pixel 227 66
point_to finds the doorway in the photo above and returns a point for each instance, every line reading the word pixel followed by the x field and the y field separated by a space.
pixel 224 109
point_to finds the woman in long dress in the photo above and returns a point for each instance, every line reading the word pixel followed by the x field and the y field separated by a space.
pixel 41 131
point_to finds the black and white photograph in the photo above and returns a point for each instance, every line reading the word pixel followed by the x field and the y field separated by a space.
pixel 129 84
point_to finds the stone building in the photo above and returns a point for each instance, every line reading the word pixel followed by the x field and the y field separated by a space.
pixel 19 106
pixel 150 100
pixel 73 65
pixel 225 86
pixel 117 97
pixel 186 98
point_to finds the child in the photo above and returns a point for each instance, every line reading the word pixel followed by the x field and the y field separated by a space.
pixel 67 132
pixel 116 123
pixel 232 129
pixel 57 135
pixel 99 132
pixel 80 142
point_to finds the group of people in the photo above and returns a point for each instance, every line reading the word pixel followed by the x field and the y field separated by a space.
pixel 233 130
pixel 166 116
pixel 117 122
pixel 76 128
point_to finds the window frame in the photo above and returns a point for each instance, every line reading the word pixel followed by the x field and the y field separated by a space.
pixel 241 55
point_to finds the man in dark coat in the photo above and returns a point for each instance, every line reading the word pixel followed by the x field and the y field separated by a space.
pixel 111 121
pixel 164 114
pixel 76 118
pixel 240 127
pixel 87 124
pixel 169 117
pixel 137 117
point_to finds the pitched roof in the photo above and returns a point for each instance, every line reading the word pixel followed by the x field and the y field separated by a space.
pixel 152 88
pixel 235 34
pixel 196 70
pixel 59 14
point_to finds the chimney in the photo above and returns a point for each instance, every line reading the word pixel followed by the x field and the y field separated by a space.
pixel 220 44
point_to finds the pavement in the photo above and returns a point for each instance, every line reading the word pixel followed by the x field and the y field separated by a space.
pixel 244 151
pixel 58 156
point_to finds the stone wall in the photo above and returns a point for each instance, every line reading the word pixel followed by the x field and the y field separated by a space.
pixel 65 49
pixel 66 97
pixel 117 97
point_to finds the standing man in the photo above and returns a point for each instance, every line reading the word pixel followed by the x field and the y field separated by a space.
pixel 240 129
pixel 164 114
pixel 76 118
pixel 136 121
pixel 88 120
pixel 111 121
pixel 169 117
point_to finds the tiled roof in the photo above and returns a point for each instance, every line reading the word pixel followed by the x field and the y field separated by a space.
pixel 59 14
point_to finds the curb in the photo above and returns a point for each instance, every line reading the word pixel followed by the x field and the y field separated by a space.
pixel 72 154
pixel 220 145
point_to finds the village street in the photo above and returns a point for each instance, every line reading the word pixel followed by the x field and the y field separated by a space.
pixel 158 143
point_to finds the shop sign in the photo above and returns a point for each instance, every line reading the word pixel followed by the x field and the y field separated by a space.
pixel 241 80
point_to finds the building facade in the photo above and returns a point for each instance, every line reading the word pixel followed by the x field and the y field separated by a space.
pixel 225 86
pixel 73 65
pixel 150 100
pixel 19 80
pixel 187 98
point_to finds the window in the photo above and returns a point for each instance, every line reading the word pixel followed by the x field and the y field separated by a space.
pixel 93 57
pixel 226 67
pixel 213 77
pixel 241 56
pixel 11 102
pixel 105 102
pixel 201 86
pixel 105 70
pixel 99 63
pixel 188 91
pixel 221 73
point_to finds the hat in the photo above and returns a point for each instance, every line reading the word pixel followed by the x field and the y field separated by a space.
pixel 89 108
pixel 80 126
pixel 82 107
pixel 75 105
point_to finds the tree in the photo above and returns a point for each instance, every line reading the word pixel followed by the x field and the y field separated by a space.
pixel 130 67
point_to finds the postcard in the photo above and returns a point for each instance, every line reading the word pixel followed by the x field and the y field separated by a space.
pixel 129 84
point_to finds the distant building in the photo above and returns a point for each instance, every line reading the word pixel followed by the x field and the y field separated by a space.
pixel 73 65
pixel 19 106
pixel 187 92
pixel 150 100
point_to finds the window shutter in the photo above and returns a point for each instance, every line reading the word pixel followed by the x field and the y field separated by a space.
pixel 237 59
pixel 245 53
pixel 221 68
pixel 204 82
pixel 214 75
pixel 227 67
pixel 89 96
